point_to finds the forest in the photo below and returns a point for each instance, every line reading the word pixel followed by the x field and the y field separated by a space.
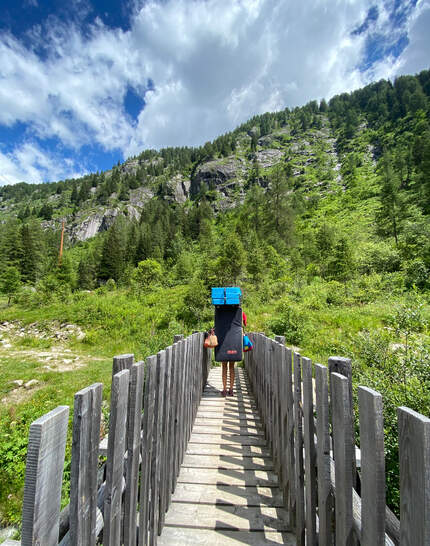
pixel 330 244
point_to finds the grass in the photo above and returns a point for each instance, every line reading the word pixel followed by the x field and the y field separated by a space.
pixel 120 322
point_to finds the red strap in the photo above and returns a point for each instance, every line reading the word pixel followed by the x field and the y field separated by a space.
pixel 244 318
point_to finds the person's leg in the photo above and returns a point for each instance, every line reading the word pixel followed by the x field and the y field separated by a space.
pixel 231 366
pixel 224 378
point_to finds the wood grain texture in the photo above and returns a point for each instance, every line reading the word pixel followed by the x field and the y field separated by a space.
pixel 310 453
pixel 147 446
pixel 157 449
pixel 341 365
pixel 325 496
pixel 298 452
pixel 230 488
pixel 173 414
pixel 43 478
pixel 372 467
pixel 133 441
pixel 414 456
pixel 122 362
pixel 115 459
pixel 342 449
pixel 291 458
pixel 165 454
pixel 83 475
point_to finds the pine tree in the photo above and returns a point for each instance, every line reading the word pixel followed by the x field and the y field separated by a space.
pixel 74 196
pixel 112 258
pixel 10 281
pixel 392 205
pixel 279 215
pixel 29 257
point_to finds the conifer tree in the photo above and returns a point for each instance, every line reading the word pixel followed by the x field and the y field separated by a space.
pixel 29 262
pixel 112 258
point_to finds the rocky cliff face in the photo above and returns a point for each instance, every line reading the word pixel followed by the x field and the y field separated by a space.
pixel 226 178
pixel 177 189
pixel 218 174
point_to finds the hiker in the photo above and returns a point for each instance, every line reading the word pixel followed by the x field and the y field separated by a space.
pixel 230 365
pixel 229 321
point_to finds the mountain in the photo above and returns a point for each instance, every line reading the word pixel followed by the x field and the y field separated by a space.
pixel 350 176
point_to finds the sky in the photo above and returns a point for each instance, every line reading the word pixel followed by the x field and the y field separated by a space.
pixel 86 83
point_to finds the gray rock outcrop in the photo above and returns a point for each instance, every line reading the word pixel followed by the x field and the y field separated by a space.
pixel 178 189
pixel 217 172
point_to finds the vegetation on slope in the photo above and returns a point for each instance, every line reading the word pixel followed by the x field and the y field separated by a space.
pixel 326 229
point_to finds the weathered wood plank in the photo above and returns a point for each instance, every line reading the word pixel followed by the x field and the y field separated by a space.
pixel 414 456
pixel 222 428
pixel 83 474
pixel 115 459
pixel 325 497
pixel 165 454
pixel 158 442
pixel 283 459
pixel 43 478
pixel 147 446
pixel 290 494
pixel 245 495
pixel 173 410
pixel 228 476
pixel 342 449
pixel 227 517
pixel 223 448
pixel 372 467
pixel 298 452
pixel 137 373
pixel 310 453
pixel 224 537
pixel 341 365
pixel 181 407
pixel 122 362
pixel 226 462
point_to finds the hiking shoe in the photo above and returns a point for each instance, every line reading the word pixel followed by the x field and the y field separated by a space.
pixel 224 393
pixel 230 392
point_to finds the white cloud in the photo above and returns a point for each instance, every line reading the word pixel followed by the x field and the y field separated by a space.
pixel 214 64
pixel 416 56
pixel 29 163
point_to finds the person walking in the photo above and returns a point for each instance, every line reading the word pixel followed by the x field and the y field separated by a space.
pixel 230 365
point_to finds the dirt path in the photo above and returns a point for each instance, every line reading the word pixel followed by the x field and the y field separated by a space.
pixel 57 358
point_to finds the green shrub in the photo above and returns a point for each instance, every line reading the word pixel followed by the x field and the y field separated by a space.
pixel 417 274
pixel 378 257
pixel 288 322
pixel 336 294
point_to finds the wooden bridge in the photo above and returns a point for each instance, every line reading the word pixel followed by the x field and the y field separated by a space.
pixel 274 464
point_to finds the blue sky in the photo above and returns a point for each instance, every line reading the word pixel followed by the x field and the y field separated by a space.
pixel 86 83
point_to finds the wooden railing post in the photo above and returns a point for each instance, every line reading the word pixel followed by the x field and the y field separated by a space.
pixel 122 362
pixel 372 467
pixel 298 452
pixel 310 454
pixel 147 447
pixel 134 420
pixel 341 365
pixel 342 449
pixel 157 450
pixel 83 475
pixel 414 455
pixel 43 478
pixel 115 459
pixel 325 496
pixel 290 428
pixel 165 455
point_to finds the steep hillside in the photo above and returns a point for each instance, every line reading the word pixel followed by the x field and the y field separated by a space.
pixel 321 214
pixel 351 176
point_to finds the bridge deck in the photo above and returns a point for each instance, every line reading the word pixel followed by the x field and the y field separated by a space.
pixel 227 491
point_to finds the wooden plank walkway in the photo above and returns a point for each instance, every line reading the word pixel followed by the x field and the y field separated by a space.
pixel 227 491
